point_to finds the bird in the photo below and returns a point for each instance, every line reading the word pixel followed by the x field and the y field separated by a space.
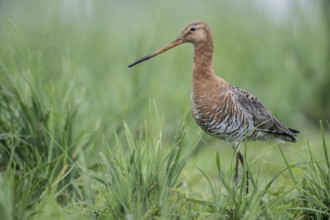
pixel 219 108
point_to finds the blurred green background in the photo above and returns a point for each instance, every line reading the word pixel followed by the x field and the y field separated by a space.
pixel 277 50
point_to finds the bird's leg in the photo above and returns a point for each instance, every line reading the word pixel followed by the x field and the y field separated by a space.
pixel 239 157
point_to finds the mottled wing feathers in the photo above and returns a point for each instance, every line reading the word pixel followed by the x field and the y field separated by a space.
pixel 262 119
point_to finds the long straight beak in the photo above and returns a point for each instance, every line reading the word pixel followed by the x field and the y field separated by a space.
pixel 175 43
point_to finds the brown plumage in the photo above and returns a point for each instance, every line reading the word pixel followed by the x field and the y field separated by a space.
pixel 219 108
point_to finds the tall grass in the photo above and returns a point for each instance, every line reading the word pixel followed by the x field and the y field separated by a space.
pixel 39 144
pixel 140 175
pixel 314 190
pixel 305 196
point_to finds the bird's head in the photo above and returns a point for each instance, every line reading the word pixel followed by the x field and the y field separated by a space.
pixel 196 32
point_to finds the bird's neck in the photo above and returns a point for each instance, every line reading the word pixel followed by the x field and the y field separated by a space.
pixel 202 66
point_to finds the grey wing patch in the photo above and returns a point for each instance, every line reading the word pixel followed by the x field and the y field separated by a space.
pixel 262 119
pixel 251 106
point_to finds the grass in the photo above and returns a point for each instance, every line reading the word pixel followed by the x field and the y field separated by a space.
pixel 139 176
pixel 84 137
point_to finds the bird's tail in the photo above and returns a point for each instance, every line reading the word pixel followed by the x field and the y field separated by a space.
pixel 293 131
pixel 287 134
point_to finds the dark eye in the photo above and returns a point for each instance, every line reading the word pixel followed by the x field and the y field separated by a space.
pixel 193 29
